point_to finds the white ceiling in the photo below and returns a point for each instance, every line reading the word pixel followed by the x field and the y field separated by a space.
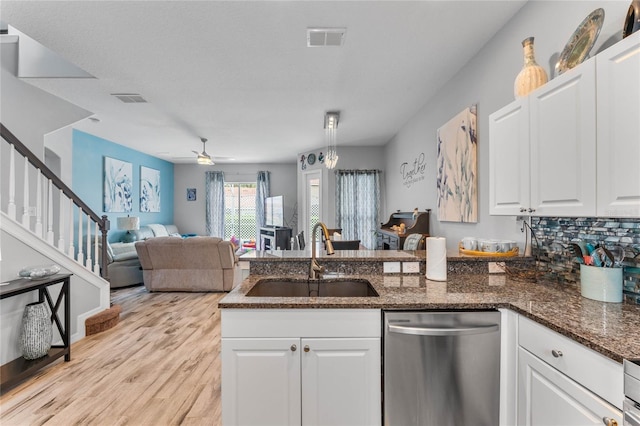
pixel 239 73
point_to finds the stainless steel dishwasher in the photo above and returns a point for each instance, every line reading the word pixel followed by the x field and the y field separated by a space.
pixel 441 368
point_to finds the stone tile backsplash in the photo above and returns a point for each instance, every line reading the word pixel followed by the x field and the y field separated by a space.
pixel 554 233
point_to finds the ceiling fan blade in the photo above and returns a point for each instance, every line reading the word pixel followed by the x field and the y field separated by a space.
pixel 195 152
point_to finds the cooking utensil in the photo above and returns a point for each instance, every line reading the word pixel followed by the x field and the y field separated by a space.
pixel 617 252
pixel 576 251
pixel 609 261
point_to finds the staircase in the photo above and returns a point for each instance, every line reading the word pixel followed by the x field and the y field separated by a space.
pixel 50 224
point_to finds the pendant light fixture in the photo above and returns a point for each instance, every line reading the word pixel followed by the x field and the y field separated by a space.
pixel 331 128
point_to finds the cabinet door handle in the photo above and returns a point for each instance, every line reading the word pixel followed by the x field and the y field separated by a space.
pixel 306 348
pixel 293 348
pixel 531 210
pixel 609 421
pixel 556 353
pixel 522 210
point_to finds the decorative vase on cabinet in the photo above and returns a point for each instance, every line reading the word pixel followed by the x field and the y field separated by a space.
pixel 36 333
pixel 532 75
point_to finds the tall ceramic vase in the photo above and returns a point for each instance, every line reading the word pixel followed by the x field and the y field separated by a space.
pixel 532 75
pixel 632 21
pixel 37 332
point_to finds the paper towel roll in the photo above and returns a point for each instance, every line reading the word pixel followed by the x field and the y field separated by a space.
pixel 436 258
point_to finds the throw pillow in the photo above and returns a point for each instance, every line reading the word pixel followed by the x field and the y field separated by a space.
pixel 158 230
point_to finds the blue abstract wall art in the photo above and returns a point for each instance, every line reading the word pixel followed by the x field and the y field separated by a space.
pixel 149 190
pixel 457 178
pixel 118 185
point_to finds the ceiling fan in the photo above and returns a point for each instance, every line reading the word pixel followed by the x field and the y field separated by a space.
pixel 203 157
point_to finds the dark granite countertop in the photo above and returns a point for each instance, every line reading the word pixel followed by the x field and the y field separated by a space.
pixel 362 256
pixel 608 328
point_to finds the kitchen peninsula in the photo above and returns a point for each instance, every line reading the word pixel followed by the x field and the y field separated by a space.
pixel 594 336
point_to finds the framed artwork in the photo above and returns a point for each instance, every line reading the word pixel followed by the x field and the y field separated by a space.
pixel 149 190
pixel 191 194
pixel 457 178
pixel 118 185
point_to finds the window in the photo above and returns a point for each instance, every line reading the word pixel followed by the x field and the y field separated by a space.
pixel 357 204
pixel 240 211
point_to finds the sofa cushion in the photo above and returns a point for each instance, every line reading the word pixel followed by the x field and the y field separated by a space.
pixel 158 230
pixel 123 251
pixel 143 233
pixel 172 229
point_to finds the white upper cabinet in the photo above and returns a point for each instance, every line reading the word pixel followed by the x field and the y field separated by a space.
pixel 563 144
pixel 542 149
pixel 618 149
pixel 509 159
pixel 581 137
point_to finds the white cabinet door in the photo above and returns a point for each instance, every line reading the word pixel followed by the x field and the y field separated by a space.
pixel 341 383
pixel 261 382
pixel 547 397
pixel 509 159
pixel 618 149
pixel 563 144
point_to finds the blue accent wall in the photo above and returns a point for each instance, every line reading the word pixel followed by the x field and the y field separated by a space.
pixel 87 175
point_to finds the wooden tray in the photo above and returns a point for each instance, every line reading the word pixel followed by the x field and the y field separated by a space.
pixel 511 253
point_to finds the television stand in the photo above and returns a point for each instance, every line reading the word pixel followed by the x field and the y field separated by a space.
pixel 275 238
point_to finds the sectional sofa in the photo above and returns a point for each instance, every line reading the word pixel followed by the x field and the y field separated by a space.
pixel 123 265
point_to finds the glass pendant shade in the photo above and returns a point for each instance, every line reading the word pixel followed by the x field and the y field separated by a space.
pixel 331 127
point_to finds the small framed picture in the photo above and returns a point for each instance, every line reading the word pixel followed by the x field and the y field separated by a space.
pixel 191 194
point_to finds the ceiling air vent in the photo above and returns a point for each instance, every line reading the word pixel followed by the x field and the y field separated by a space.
pixel 320 37
pixel 130 98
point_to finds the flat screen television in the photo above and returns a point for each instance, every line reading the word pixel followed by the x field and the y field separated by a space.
pixel 274 211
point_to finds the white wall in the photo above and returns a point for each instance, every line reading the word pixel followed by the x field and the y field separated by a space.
pixel 487 80
pixel 189 216
pixel 350 158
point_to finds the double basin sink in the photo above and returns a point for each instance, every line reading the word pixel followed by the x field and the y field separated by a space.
pixel 278 287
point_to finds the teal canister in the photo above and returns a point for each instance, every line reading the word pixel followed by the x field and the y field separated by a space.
pixel 603 284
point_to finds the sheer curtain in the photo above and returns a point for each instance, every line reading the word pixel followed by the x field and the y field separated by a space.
pixel 263 190
pixel 357 204
pixel 215 203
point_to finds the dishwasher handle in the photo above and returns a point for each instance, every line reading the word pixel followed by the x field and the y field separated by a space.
pixel 422 330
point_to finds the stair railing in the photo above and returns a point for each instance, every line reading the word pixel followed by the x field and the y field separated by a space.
pixel 49 189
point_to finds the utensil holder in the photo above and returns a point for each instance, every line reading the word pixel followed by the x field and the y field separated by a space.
pixel 603 284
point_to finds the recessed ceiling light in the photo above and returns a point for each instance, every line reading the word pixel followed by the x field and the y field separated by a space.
pixel 321 37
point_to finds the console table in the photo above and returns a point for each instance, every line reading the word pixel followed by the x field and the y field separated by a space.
pixel 20 368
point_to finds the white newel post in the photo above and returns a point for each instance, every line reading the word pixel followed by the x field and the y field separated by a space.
pixel 11 208
pixel 25 192
pixel 96 265
pixel 80 251
pixel 38 230
pixel 61 223
pixel 71 253
pixel 50 235
pixel 88 261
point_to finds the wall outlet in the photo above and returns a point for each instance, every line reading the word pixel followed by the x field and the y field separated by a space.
pixel 391 267
pixel 496 268
pixel 411 267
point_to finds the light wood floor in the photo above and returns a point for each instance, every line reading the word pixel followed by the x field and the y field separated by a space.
pixel 159 366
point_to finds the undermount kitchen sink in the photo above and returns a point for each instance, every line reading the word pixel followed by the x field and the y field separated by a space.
pixel 312 288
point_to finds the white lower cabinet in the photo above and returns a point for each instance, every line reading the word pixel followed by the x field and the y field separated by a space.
pixel 300 380
pixel 548 397
pixel 563 383
pixel 261 379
